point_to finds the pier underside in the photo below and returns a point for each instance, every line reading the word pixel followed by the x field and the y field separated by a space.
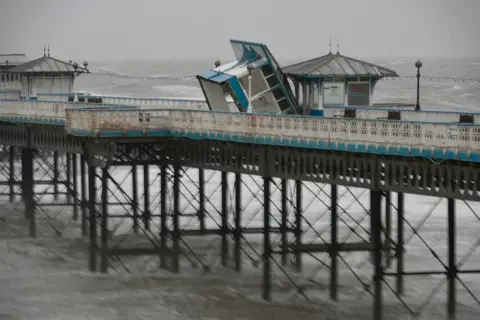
pixel 313 222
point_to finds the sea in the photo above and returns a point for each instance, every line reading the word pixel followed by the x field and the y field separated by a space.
pixel 47 278
pixel 452 85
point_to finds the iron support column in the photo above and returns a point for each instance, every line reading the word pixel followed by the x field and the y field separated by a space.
pixel 176 218
pixel 298 224
pixel 83 189
pixel 376 229
pixel 28 189
pixel 11 177
pixel 400 241
pixel 388 229
pixel 163 216
pixel 452 268
pixel 104 223
pixel 284 187
pixel 56 175
pixel 135 197
pixel 75 185
pixel 92 217
pixel 201 200
pixel 224 228
pixel 146 199
pixel 68 174
pixel 267 275
pixel 334 243
pixel 238 222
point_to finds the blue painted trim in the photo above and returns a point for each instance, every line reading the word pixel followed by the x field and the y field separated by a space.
pixel 239 93
pixel 294 142
pixel 221 77
pixel 33 120
pixel 10 91
pixel 208 74
pixel 218 77
pixel 317 112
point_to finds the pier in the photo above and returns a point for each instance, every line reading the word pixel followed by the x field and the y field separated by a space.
pixel 195 166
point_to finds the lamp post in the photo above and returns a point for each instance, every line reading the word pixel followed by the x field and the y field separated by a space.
pixel 418 64
pixel 85 65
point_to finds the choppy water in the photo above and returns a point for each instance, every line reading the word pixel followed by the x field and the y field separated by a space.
pixel 47 278
pixel 435 94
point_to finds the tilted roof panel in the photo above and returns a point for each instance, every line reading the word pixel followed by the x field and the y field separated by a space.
pixel 46 64
pixel 339 66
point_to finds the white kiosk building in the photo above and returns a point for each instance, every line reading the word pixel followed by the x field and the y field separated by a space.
pixel 45 75
pixel 10 86
pixel 334 80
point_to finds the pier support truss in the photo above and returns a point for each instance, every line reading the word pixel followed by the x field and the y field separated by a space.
pixel 332 224
pixel 45 183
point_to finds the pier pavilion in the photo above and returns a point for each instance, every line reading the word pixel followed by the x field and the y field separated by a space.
pixel 45 75
pixel 11 60
pixel 10 83
pixel 334 80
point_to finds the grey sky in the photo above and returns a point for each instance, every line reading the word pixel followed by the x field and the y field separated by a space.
pixel 118 29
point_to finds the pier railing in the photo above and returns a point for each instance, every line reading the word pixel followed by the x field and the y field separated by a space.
pixel 43 111
pixel 10 94
pixel 181 103
pixel 356 133
pixel 158 102
pixel 382 113
pixel 357 112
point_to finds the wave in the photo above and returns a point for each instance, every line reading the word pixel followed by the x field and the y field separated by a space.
pixel 399 62
pixel 180 90
pixel 110 71
pixel 91 93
